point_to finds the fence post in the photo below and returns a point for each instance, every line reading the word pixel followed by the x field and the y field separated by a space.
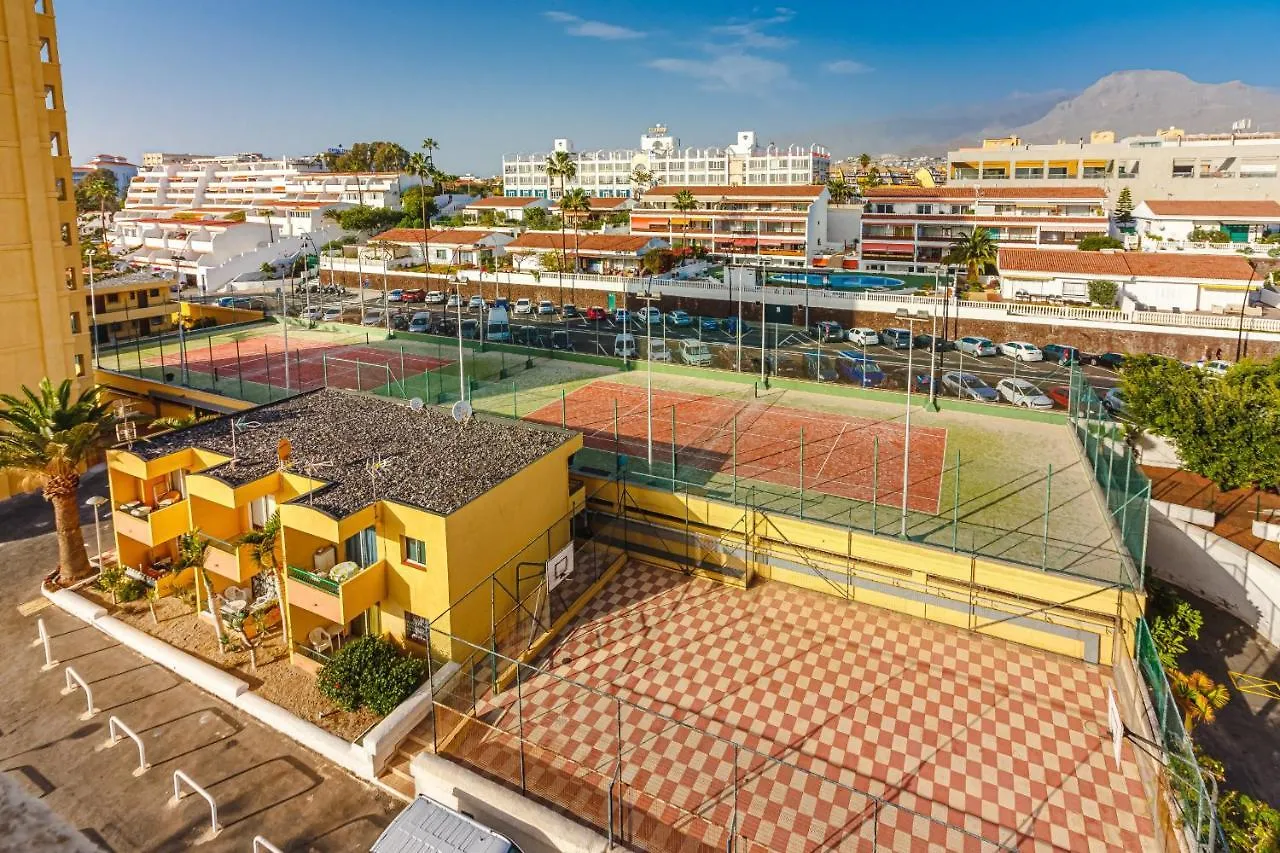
pixel 673 448
pixel 515 401
pixel 955 509
pixel 1111 463
pixel 1048 491
pixel 735 459
pixel 116 723
pixel 43 640
pixel 71 675
pixel 266 358
pixel 520 722
pixel 239 370
pixel 615 433
pixel 402 373
pixel 178 778
pixel 802 473
pixel 324 368
pixel 875 480
pixel 733 832
pixel 359 387
pixel 563 410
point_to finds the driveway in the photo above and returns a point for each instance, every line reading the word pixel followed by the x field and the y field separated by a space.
pixel 64 790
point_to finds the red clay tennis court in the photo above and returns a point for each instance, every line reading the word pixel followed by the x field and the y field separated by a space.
pixel 311 362
pixel 850 457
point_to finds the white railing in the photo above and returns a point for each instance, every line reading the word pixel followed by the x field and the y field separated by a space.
pixel 1208 321
pixel 262 844
pixel 73 678
pixel 115 723
pixel 43 640
pixel 178 778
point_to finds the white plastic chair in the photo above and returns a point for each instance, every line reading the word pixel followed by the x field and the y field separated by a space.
pixel 237 593
pixel 320 640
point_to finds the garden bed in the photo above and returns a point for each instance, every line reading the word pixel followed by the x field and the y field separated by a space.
pixel 274 678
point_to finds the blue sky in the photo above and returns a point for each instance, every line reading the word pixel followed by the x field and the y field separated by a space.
pixel 482 78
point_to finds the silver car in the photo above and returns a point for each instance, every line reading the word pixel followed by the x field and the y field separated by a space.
pixel 1020 392
pixel 972 345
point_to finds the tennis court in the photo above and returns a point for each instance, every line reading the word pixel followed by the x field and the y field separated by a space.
pixel 847 456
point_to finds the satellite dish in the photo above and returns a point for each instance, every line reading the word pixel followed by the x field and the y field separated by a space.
pixel 416 404
pixel 461 411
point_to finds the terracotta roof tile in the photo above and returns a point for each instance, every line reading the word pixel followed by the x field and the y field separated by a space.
pixel 586 242
pixel 503 201
pixel 1216 209
pixel 438 236
pixel 1087 193
pixel 796 191
pixel 602 203
pixel 1140 264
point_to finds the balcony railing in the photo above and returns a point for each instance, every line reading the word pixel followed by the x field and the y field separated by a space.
pixel 312 579
pixel 159 525
pixel 229 560
pixel 338 601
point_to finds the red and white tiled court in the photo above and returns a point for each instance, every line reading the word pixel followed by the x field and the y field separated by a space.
pixel 961 731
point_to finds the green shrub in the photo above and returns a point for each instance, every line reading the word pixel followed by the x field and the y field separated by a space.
pixel 130 590
pixel 370 672
pixel 1094 242
pixel 1103 292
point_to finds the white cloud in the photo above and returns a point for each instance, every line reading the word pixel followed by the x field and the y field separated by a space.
pixel 734 72
pixel 845 66
pixel 592 29
pixel 751 33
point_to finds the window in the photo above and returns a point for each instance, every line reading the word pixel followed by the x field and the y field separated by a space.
pixel 50 98
pixel 75 322
pixel 924 209
pixel 79 365
pixel 69 278
pixel 415 551
pixel 40 7
pixel 60 184
pixel 55 145
pixel 113 297
pixel 882 208
pixel 66 234
pixel 363 547
pixel 417 628
pixel 260 510
pixel 46 54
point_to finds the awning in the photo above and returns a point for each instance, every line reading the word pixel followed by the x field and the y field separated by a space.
pixel 738 241
pixel 868 246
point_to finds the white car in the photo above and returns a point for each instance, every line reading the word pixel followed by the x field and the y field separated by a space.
pixel 658 350
pixel 650 315
pixel 332 313
pixel 862 336
pixel 524 306
pixel 1216 368
pixel 452 303
pixel 435 297
pixel 1020 392
pixel 971 345
pixel 624 346
pixel 1021 351
pixel 315 312
pixel 546 308
pixel 478 303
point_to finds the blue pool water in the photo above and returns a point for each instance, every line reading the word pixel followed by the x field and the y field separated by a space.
pixel 836 281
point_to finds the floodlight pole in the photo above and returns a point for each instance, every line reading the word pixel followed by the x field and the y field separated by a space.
pixel 284 327
pixel 902 314
pixel 462 364
pixel 764 326
pixel 648 298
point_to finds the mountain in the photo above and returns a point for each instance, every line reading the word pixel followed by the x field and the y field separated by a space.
pixel 1139 102
pixel 1128 102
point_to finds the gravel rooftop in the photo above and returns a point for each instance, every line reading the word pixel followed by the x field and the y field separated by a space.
pixel 431 461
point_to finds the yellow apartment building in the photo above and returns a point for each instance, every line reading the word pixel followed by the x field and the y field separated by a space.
pixel 388 514
pixel 46 332
pixel 132 305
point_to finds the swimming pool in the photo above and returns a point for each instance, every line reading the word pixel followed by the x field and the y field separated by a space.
pixel 837 281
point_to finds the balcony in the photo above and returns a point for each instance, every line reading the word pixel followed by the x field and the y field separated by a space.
pixel 235 563
pixel 153 527
pixel 339 601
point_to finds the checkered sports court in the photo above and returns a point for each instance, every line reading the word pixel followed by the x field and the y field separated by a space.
pixel 847 456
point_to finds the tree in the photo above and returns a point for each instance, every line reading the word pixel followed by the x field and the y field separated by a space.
pixel 658 261
pixel 540 219
pixel 98 191
pixel 170 422
pixel 1095 242
pixel 1171 631
pixel 864 160
pixel 1103 292
pixel 264 549
pixel 551 261
pixel 267 270
pixel 1198 696
pixel 48 436
pixel 1251 826
pixel 370 672
pixel 1205 235
pixel 368 220
pixel 840 190
pixel 642 179
pixel 561 165
pixel 575 204
pixel 422 164
pixel 1124 207
pixel 1225 429
pixel 417 207
pixel 976 251
pixel 685 203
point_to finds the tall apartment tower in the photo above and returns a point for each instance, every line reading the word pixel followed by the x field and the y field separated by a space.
pixel 42 303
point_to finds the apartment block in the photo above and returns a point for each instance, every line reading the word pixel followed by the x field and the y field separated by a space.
pixel 133 305
pixel 41 280
pixel 780 226
pixel 920 224
pixel 364 548
pixel 1167 164
pixel 113 163
pixel 1170 225
pixel 609 173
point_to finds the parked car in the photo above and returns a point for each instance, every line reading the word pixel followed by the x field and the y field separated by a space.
pixel 1109 360
pixel 1217 367
pixel 1021 351
pixel 471 329
pixel 436 297
pixel 524 306
pixel 546 308
pixel 970 386
pixel 971 345
pixel 1114 400
pixel 827 331
pixel 679 318
pixel 658 350
pixel 622 316
pixel 315 312
pixel 595 312
pixel 896 338
pixel 1060 395
pixel 444 325
pixel 929 342
pixel 373 317
pixel 560 340
pixel 1061 353
pixel 395 295
pixel 650 315
pixel 569 311
pixel 862 336
pixel 858 369
pixel 413 295
pixel 624 346
pixel 527 336
pixel 695 352
pixel 731 327
pixel 400 322
pixel 332 313
pixel 477 303
pixel 453 301
pixel 421 322
pixel 820 369
pixel 1020 392
pixel 710 324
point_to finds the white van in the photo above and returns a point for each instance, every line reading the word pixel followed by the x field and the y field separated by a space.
pixel 658 350
pixel 624 346
pixel 695 352
pixel 426 826
pixel 498 328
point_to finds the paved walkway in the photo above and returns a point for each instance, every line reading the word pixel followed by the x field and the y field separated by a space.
pixel 263 782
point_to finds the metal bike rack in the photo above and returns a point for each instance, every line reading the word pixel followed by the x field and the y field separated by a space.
pixel 72 675
pixel 178 778
pixel 260 844
pixel 43 640
pixel 115 723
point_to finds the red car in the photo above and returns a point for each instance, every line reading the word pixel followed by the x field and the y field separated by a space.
pixel 595 312
pixel 414 295
pixel 1060 395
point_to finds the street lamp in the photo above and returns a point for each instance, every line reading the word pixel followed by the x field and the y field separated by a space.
pixel 97 501
pixel 648 298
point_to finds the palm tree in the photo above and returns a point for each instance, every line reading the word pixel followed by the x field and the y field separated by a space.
pixel 48 436
pixel 864 160
pixel 191 550
pixel 576 204
pixel 168 423
pixel 264 544
pixel 685 203
pixel 642 178
pixel 839 189
pixel 561 165
pixel 1198 695
pixel 975 250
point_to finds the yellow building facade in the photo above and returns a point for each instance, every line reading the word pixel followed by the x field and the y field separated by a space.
pixel 134 305
pixel 373 538
pixel 41 283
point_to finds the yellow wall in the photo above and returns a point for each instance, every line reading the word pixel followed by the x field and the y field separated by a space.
pixel 191 311
pixel 35 264
pixel 133 387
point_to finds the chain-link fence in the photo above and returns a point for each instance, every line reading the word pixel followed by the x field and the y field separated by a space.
pixel 1193 792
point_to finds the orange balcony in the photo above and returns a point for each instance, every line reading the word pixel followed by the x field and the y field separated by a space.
pixel 155 527
pixel 337 601
pixel 235 563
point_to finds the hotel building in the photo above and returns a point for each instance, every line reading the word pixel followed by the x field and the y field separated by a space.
pixel 608 173
pixel 920 224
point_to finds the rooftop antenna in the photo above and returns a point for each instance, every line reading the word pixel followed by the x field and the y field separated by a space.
pixel 310 469
pixel 376 466
pixel 241 424
pixel 126 428
pixel 416 404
